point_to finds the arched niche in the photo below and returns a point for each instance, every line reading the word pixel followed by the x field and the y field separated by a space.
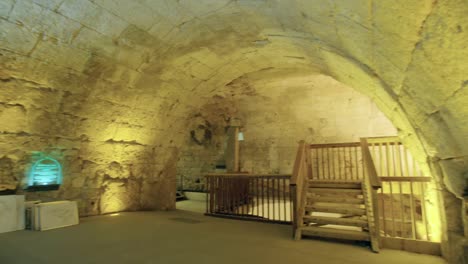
pixel 45 175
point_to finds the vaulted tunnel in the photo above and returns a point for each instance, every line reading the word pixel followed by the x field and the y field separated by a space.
pixel 110 88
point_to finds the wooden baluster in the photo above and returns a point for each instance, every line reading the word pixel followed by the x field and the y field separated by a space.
pixel 387 158
pixel 216 198
pixel 402 212
pixel 331 173
pixel 233 196
pixel 209 198
pixel 279 198
pixel 400 157
pixel 231 182
pixel 392 159
pixel 243 190
pixel 263 198
pixel 257 198
pixel 413 210
pixel 268 197
pixel 423 211
pixel 381 158
pixel 240 196
pixel 393 210
pixel 338 176
pixel 398 172
pixel 382 198
pixel 322 164
pixel 330 164
pixel 285 199
pixel 207 195
pixel 273 191
pixel 290 200
pixel 356 159
pixel 343 155
pixel 229 193
pixel 220 193
pixel 376 157
pixel 317 162
pixel 317 175
pixel 308 153
pixel 321 171
pixel 247 199
pixel 225 195
pixel 350 163
pixel 345 173
pixel 212 194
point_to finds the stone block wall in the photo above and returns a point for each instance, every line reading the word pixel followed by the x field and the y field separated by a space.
pixel 323 111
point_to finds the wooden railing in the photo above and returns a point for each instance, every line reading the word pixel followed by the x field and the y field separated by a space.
pixel 392 159
pixel 299 185
pixel 336 161
pixel 261 197
pixel 371 184
pixel 403 213
pixel 395 186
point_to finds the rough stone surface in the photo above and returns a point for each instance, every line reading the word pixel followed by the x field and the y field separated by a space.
pixel 99 83
pixel 315 108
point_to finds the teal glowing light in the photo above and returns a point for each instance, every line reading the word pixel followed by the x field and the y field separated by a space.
pixel 44 172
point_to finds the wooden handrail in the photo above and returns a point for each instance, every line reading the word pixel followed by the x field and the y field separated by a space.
pixel 374 180
pixel 298 186
pixel 298 162
pixel 244 175
pixel 405 179
pixel 335 145
pixel 371 184
pixel 391 140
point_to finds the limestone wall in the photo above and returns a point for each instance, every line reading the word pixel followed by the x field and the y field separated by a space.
pixel 107 84
pixel 281 112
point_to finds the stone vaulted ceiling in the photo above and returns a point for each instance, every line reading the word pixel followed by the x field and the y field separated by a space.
pixel 116 76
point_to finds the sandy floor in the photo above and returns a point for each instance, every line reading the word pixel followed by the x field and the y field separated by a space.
pixel 183 237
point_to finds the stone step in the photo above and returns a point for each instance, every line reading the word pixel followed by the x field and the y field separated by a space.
pixel 334 233
pixel 323 220
pixel 335 209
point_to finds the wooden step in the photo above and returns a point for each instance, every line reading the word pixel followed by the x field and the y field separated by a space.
pixel 337 200
pixel 323 220
pixel 335 185
pixel 335 209
pixel 335 191
pixel 334 233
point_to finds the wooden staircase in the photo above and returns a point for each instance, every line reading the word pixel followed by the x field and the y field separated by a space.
pixel 335 209
pixel 336 198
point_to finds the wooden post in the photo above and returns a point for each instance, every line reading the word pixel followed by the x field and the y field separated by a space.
pixel 236 150
pixel 232 150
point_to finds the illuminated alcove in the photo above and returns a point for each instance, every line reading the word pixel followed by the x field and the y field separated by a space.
pixel 44 175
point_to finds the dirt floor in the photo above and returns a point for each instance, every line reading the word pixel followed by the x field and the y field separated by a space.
pixel 184 237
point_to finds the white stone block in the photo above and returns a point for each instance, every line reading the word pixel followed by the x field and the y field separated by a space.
pixel 55 215
pixel 11 213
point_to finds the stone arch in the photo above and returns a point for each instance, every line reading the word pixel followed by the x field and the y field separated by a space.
pixel 119 86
